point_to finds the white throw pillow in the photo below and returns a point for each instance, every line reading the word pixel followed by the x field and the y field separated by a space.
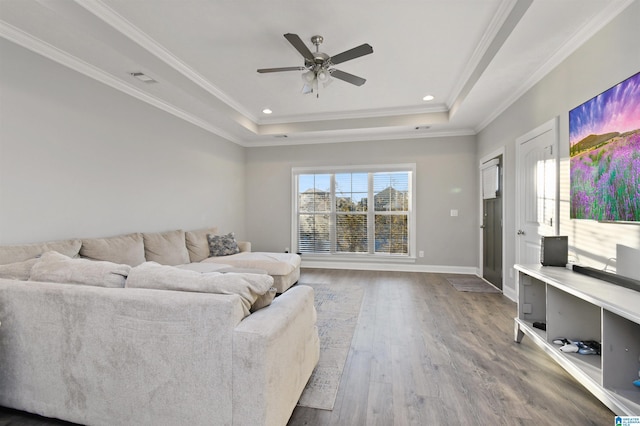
pixel 58 268
pixel 161 277
pixel 13 254
pixel 18 270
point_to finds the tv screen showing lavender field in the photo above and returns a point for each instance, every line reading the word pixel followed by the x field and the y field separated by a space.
pixel 604 137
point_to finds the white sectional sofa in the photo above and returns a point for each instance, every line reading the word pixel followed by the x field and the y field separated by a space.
pixel 100 342
pixel 183 248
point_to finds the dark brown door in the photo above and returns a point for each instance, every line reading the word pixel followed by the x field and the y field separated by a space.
pixel 492 245
pixel 492 236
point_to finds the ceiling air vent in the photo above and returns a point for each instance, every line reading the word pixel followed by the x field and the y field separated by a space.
pixel 142 77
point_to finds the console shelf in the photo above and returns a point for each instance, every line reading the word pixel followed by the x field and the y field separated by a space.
pixel 576 306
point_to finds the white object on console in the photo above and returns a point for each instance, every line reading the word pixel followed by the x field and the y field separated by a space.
pixel 627 261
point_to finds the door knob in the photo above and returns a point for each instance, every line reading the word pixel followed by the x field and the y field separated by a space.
pixel 520 232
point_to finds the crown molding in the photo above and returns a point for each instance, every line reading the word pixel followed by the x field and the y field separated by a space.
pixel 588 30
pixel 501 15
pixel 342 115
pixel 369 137
pixel 51 52
pixel 59 56
pixel 122 25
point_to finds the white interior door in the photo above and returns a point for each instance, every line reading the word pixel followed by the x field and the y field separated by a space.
pixel 537 194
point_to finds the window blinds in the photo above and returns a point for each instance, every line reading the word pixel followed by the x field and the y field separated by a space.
pixel 490 179
pixel 354 212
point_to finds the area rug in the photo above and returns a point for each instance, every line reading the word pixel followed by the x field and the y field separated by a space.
pixel 472 284
pixel 338 309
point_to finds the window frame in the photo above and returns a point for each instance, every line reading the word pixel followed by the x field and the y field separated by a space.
pixel 371 213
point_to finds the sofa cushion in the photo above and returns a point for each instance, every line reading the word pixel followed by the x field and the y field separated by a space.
pixel 19 253
pixel 58 268
pixel 222 245
pixel 166 248
pixel 273 263
pixel 18 270
pixel 162 277
pixel 205 268
pixel 197 243
pixel 127 249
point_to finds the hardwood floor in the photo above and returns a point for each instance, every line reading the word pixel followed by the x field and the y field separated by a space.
pixel 425 354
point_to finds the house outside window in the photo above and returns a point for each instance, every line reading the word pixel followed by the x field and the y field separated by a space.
pixel 333 214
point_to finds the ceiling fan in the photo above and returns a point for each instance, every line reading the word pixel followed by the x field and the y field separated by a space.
pixel 318 65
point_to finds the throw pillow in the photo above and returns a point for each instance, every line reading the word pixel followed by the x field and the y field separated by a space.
pixel 18 270
pixel 197 243
pixel 127 249
pixel 162 277
pixel 13 254
pixel 58 268
pixel 264 300
pixel 222 245
pixel 166 248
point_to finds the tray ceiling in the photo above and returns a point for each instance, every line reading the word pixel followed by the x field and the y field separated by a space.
pixel 474 56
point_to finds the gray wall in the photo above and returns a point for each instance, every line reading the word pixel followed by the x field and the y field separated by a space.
pixel 80 159
pixel 609 57
pixel 446 179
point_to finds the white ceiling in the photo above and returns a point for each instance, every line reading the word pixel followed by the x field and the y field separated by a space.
pixel 475 56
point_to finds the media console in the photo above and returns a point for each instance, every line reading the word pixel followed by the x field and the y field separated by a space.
pixel 577 306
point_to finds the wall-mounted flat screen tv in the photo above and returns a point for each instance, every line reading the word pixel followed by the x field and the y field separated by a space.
pixel 604 137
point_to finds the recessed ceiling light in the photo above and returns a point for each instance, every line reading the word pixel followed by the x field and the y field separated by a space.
pixel 143 77
pixel 428 98
pixel 266 111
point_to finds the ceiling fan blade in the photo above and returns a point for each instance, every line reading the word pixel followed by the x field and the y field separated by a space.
pixel 356 52
pixel 349 78
pixel 263 70
pixel 300 46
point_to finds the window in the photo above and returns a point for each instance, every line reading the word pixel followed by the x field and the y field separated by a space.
pixel 333 214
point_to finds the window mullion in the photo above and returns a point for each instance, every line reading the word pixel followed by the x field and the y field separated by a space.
pixel 332 216
pixel 370 215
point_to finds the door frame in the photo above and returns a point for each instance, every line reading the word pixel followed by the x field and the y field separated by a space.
pixel 552 126
pixel 503 193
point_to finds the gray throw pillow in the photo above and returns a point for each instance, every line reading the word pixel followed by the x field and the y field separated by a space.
pixel 222 245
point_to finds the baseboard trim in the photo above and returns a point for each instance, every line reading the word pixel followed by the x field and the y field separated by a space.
pixel 509 292
pixel 442 269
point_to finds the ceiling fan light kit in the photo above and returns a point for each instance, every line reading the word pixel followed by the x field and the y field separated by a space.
pixel 318 65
